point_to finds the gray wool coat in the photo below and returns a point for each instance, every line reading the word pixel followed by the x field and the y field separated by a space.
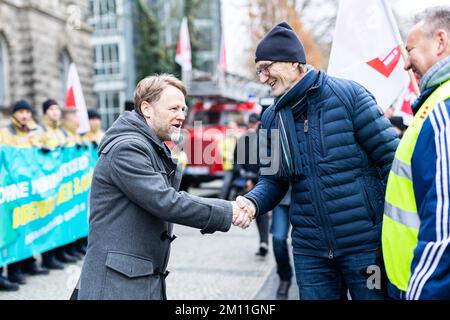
pixel 133 203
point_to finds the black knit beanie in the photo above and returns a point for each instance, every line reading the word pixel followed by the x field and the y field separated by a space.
pixel 281 44
pixel 21 104
pixel 94 114
pixel 47 104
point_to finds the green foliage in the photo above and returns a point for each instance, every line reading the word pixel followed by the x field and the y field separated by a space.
pixel 190 11
pixel 151 55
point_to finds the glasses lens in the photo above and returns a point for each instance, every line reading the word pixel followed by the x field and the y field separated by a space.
pixel 264 70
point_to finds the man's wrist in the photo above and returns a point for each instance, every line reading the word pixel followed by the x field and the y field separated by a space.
pixel 253 202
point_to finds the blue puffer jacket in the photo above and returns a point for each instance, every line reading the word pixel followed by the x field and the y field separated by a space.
pixel 346 149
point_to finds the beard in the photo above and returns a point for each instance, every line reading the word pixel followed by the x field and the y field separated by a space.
pixel 175 136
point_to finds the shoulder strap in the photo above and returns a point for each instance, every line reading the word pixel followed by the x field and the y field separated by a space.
pixel 64 132
pixel 12 129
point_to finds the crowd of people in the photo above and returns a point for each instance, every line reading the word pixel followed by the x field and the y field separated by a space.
pixel 58 129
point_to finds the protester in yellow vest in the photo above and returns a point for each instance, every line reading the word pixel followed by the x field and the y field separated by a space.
pixel 93 136
pixel 51 124
pixel 70 125
pixel 53 137
pixel 416 230
pixel 21 132
pixel 96 133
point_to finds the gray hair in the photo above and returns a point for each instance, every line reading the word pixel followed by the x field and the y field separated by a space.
pixel 303 67
pixel 433 19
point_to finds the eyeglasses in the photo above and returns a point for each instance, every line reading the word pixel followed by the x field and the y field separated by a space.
pixel 264 70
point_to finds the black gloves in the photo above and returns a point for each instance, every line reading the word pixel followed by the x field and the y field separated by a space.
pixel 45 150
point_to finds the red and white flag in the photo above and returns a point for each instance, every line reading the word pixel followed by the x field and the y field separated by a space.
pixel 75 99
pixel 403 106
pixel 223 55
pixel 366 49
pixel 183 56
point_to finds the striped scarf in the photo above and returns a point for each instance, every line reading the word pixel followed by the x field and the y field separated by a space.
pixel 291 102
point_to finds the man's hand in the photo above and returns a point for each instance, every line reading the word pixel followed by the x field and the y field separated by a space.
pixel 246 205
pixel 240 217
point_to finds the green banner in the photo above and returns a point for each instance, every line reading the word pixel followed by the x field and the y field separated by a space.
pixel 43 199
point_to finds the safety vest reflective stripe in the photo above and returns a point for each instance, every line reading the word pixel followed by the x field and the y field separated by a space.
pixel 401 221
pixel 406 218
pixel 401 169
pixel 400 193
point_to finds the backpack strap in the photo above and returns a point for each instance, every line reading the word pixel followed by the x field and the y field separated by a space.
pixel 12 129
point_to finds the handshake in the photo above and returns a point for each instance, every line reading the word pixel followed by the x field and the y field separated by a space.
pixel 244 212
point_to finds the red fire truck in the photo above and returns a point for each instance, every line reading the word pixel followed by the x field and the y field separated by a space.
pixel 210 135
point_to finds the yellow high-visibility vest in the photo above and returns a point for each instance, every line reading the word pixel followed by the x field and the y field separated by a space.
pixel 401 221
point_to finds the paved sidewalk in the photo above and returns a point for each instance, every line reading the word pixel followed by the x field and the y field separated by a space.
pixel 220 266
pixel 270 286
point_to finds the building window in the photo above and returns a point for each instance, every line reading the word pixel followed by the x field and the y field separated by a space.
pixel 103 14
pixel 3 72
pixel 110 106
pixel 107 59
pixel 63 70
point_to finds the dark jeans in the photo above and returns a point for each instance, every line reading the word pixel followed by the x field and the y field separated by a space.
pixel 327 279
pixel 262 222
pixel 227 180
pixel 394 293
pixel 280 229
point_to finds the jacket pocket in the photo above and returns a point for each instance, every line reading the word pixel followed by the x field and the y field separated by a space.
pixel 130 277
pixel 367 204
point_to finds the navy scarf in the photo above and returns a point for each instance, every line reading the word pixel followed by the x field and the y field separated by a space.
pixel 291 102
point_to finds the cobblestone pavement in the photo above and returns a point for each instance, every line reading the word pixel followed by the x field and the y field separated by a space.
pixel 218 266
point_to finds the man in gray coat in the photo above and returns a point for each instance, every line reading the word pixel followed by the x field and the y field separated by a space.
pixel 134 199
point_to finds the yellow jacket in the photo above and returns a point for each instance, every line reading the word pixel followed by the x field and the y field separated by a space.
pixel 72 136
pixel 16 135
pixel 95 135
pixel 53 135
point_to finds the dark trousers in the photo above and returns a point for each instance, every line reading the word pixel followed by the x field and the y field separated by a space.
pixel 262 222
pixel 17 266
pixel 280 229
pixel 49 255
pixel 224 192
pixel 321 278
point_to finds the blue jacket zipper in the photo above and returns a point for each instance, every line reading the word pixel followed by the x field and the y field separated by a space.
pixel 316 193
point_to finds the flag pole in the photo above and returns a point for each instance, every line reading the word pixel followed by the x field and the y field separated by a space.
pixel 401 45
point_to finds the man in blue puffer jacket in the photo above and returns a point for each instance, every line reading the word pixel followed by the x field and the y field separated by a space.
pixel 336 149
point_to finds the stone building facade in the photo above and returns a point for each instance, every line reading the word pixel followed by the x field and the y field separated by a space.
pixel 38 41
